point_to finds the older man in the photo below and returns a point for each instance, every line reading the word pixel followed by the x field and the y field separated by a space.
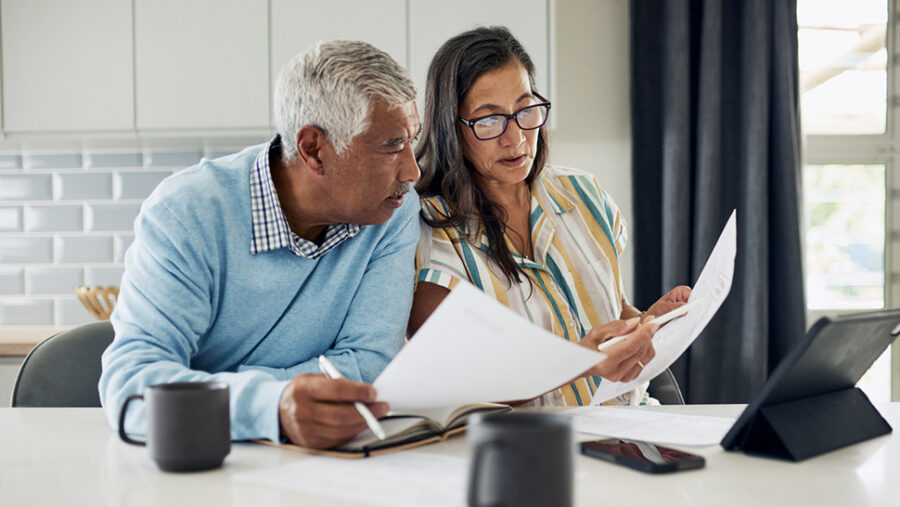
pixel 245 268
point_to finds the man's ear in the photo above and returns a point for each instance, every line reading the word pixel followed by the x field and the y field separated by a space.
pixel 312 147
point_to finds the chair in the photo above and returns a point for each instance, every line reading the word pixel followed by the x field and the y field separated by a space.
pixel 665 389
pixel 63 370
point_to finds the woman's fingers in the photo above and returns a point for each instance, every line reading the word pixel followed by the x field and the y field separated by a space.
pixel 679 294
pixel 621 363
pixel 603 332
pixel 672 300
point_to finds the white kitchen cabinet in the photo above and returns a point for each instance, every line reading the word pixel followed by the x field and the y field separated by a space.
pixel 67 66
pixel 169 67
pixel 202 64
pixel 9 370
pixel 298 24
pixel 432 23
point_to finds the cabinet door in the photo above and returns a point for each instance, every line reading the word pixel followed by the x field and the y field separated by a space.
pixel 202 64
pixel 432 23
pixel 67 65
pixel 298 24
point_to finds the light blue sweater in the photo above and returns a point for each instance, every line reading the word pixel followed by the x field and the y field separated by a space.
pixel 195 305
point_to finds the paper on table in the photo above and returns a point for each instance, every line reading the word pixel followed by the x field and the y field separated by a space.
pixel 650 426
pixel 403 479
pixel 674 338
pixel 473 350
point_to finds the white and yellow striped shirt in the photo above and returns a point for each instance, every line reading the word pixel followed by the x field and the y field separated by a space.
pixel 575 284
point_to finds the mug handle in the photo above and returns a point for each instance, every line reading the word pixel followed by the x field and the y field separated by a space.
pixel 475 469
pixel 125 438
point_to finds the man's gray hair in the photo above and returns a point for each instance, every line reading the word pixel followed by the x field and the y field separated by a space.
pixel 332 86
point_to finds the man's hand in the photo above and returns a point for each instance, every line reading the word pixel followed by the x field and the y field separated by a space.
pixel 624 359
pixel 317 412
pixel 673 299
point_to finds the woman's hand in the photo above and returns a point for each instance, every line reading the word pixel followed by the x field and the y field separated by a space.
pixel 624 360
pixel 672 300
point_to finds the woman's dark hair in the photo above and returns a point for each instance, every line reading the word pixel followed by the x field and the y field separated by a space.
pixel 453 71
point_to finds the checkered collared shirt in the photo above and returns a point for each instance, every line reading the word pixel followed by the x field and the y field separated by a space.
pixel 270 226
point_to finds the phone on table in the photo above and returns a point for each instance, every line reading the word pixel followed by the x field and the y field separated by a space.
pixel 643 456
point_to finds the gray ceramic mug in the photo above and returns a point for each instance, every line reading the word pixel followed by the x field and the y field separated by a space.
pixel 521 459
pixel 188 425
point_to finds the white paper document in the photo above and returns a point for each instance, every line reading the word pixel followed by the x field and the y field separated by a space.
pixel 408 478
pixel 473 350
pixel 672 339
pixel 650 426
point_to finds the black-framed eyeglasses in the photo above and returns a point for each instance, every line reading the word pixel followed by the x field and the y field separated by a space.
pixel 494 125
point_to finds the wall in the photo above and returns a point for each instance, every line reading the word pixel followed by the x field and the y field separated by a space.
pixel 591 104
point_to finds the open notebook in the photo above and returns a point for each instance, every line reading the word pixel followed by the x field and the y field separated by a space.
pixel 406 430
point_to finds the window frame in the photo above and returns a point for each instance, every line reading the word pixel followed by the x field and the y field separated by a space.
pixel 881 149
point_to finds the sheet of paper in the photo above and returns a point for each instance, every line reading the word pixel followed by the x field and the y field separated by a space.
pixel 473 350
pixel 650 426
pixel 675 337
pixel 407 478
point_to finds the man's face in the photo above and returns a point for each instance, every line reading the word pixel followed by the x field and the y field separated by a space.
pixel 368 181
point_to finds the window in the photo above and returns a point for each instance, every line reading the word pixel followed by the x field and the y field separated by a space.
pixel 852 149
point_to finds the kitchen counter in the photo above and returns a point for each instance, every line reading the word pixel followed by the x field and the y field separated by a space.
pixel 18 342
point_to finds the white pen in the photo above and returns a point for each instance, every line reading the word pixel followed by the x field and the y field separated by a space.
pixel 678 312
pixel 662 319
pixel 331 372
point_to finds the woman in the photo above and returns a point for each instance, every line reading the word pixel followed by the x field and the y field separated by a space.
pixel 544 241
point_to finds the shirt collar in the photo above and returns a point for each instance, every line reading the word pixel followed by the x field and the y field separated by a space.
pixel 560 198
pixel 270 229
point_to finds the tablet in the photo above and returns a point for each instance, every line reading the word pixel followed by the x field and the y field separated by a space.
pixel 831 358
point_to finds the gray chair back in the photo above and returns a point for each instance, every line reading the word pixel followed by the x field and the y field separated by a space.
pixel 665 389
pixel 63 370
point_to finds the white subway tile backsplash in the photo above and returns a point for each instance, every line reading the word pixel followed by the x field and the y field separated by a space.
pixel 175 159
pixel 52 160
pixel 116 160
pixel 54 218
pixel 120 246
pixel 11 219
pixel 26 312
pixel 81 186
pixel 10 162
pixel 103 277
pixel 20 250
pixel 70 312
pixel 53 280
pixel 67 217
pixel 137 185
pixel 111 217
pixel 22 187
pixel 73 249
pixel 12 280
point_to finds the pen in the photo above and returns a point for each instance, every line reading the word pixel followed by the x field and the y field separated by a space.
pixel 662 319
pixel 678 312
pixel 331 372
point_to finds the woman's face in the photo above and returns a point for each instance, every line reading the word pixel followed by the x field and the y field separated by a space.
pixel 506 159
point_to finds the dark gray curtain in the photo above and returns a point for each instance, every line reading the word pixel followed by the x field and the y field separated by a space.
pixel 716 128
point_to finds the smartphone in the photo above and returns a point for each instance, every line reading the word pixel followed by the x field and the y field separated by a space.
pixel 643 456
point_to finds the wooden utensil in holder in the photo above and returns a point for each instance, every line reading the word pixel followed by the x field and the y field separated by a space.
pixel 100 301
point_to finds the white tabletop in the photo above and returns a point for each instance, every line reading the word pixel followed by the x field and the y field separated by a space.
pixel 72 457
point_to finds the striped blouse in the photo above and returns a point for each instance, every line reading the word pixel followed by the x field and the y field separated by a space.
pixel 575 284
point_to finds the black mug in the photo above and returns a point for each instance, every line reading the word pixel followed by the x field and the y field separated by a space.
pixel 188 425
pixel 521 459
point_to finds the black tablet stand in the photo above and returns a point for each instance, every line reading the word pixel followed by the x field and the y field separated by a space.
pixel 805 427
